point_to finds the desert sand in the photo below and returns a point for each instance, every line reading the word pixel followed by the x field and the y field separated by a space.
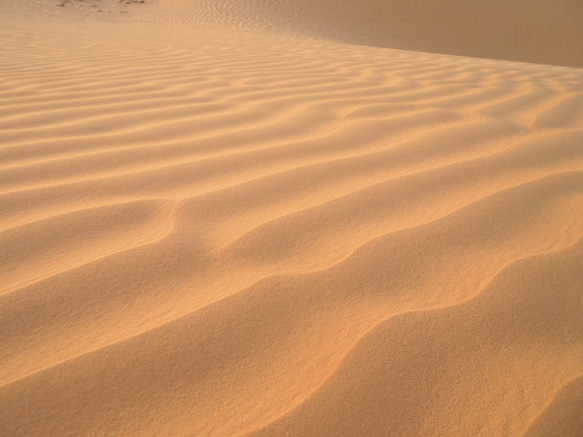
pixel 291 218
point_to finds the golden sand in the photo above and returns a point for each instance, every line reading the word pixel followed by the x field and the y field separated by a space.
pixel 291 218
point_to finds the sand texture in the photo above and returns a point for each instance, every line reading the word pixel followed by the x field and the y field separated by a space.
pixel 291 218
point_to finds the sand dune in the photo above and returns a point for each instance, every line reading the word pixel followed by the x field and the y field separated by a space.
pixel 260 218
pixel 540 31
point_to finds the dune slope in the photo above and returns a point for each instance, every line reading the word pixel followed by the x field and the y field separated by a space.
pixel 539 31
pixel 228 220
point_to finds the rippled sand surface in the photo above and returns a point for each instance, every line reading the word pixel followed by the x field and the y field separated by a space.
pixel 268 218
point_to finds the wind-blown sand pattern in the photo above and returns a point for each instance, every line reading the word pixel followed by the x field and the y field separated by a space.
pixel 257 218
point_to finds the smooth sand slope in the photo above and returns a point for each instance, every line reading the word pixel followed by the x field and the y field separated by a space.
pixel 541 31
pixel 215 220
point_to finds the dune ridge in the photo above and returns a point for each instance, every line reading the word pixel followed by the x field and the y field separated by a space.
pixel 225 218
pixel 332 418
pixel 555 419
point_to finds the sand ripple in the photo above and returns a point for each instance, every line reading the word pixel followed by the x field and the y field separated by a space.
pixel 221 233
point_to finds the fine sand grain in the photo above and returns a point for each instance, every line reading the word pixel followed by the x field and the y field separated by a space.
pixel 266 218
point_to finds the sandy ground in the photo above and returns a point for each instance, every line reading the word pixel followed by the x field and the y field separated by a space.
pixel 264 218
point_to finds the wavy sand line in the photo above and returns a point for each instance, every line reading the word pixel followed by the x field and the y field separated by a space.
pixel 462 303
pixel 323 424
pixel 316 207
pixel 30 265
pixel 340 268
pixel 560 414
pixel 327 201
pixel 430 120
